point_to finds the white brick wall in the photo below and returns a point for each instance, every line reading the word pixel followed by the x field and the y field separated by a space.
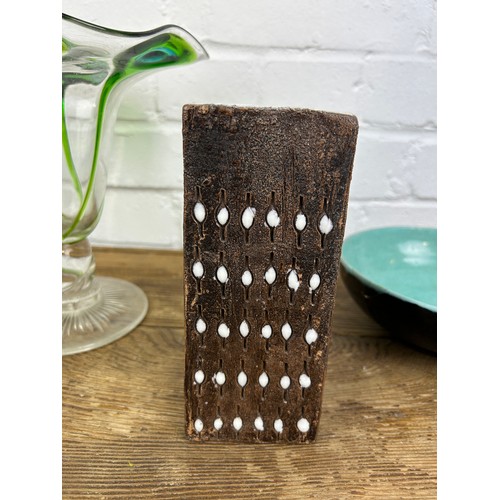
pixel 374 59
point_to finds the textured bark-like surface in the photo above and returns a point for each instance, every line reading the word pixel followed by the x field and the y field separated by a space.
pixel 265 205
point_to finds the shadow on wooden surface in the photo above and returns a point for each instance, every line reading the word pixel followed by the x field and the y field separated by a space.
pixel 123 412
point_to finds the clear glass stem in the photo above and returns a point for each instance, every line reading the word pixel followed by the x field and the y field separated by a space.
pixel 95 310
pixel 78 287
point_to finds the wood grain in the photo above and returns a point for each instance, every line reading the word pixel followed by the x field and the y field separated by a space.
pixel 123 413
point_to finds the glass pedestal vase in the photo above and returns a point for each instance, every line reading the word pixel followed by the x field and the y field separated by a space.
pixel 98 64
pixel 95 310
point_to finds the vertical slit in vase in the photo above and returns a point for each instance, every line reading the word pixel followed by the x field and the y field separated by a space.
pixel 248 222
pixel 220 370
pixel 292 270
pixel 266 316
pixel 287 313
pixel 314 291
pixel 272 225
pixel 263 396
pixel 299 222
pixel 201 333
pixel 199 220
pixel 218 418
pixel 309 325
pixel 246 288
pixel 323 234
pixel 306 372
pixel 242 370
pixel 272 276
pixel 222 223
pixel 285 390
pixel 246 337
pixel 197 258
pixel 199 364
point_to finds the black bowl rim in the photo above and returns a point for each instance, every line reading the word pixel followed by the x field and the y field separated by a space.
pixel 389 312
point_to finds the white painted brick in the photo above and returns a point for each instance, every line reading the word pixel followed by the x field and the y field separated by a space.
pixel 363 215
pixel 146 155
pixel 316 83
pixel 372 58
pixel 423 156
pixel 368 25
pixel 342 25
pixel 394 166
pixel 296 83
pixel 399 93
pixel 378 171
pixel 383 93
pixel 141 218
pixel 212 81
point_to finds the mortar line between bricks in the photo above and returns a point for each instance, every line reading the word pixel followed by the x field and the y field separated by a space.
pixel 363 55
pixel 366 127
pixel 353 199
pixel 397 202
pixel 137 188
pixel 135 245
pixel 408 132
pixel 369 125
pixel 394 200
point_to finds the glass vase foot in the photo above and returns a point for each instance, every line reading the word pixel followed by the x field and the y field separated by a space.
pixel 110 309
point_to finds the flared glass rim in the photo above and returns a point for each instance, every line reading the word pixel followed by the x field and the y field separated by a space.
pixel 136 34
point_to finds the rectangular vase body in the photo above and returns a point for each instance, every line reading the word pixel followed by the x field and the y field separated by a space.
pixel 265 203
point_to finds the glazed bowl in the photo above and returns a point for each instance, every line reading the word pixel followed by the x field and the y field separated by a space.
pixel 391 273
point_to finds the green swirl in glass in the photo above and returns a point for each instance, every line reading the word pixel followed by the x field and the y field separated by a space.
pixel 114 57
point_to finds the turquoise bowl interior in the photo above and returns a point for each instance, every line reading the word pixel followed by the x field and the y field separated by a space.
pixel 391 273
pixel 401 261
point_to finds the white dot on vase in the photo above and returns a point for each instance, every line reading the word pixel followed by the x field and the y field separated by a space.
pixel 247 278
pixel 199 377
pixel 242 379
pixel 263 379
pixel 314 281
pixel 259 424
pixel 198 269
pixel 285 382
pixel 222 275
pixel 278 425
pixel 272 218
pixel 237 423
pixel 293 280
pixel 303 425
pixel 198 425
pixel 311 336
pixel 199 212
pixel 266 331
pixel 300 222
pixel 305 381
pixel 220 378
pixel 270 275
pixel 223 216
pixel 218 423
pixel 247 217
pixel 201 326
pixel 325 224
pixel 223 330
pixel 244 328
pixel 286 331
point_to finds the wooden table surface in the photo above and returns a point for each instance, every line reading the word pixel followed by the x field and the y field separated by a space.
pixel 123 412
